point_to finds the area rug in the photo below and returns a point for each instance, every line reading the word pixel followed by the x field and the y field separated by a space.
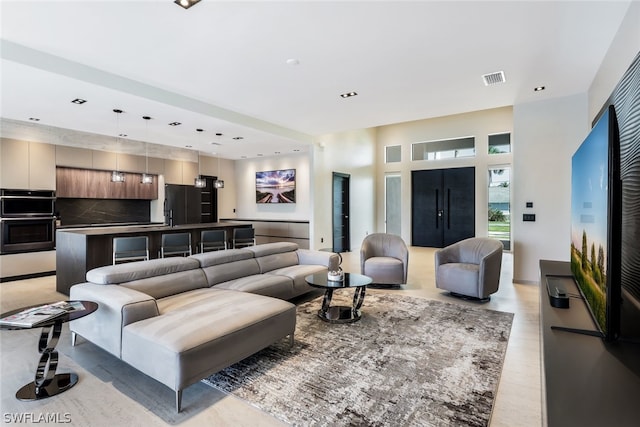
pixel 408 362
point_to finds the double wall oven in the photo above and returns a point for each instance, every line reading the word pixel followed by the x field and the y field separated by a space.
pixel 27 220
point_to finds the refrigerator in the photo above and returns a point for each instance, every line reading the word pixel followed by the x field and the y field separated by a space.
pixel 182 204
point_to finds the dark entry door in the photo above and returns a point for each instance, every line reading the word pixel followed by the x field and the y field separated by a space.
pixel 442 206
pixel 341 239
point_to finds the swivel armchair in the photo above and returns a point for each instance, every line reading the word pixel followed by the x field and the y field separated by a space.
pixel 470 268
pixel 385 258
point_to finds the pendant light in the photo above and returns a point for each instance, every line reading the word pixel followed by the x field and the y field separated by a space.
pixel 116 175
pixel 199 181
pixel 145 178
pixel 218 183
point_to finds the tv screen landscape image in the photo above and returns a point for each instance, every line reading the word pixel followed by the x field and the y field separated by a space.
pixel 278 186
pixel 594 221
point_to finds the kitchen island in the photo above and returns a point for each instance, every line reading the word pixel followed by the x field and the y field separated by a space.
pixel 79 250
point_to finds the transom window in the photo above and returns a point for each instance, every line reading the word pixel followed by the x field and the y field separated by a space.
pixel 393 154
pixel 500 143
pixel 444 149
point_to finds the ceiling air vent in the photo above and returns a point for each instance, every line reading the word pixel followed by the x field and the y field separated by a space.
pixel 493 78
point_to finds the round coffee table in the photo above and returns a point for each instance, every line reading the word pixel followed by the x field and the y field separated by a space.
pixel 47 383
pixel 339 313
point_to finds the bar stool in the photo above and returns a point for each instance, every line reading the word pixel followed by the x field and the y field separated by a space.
pixel 213 240
pixel 175 244
pixel 243 237
pixel 130 249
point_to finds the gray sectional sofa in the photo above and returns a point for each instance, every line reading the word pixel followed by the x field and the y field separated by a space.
pixel 180 320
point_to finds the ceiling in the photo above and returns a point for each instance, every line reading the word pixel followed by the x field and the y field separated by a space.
pixel 272 72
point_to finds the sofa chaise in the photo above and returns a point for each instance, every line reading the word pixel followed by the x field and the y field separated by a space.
pixel 180 320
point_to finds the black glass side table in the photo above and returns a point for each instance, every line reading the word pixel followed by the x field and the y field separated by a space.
pixel 47 383
pixel 340 314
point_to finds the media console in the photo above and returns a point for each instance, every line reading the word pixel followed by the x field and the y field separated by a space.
pixel 585 381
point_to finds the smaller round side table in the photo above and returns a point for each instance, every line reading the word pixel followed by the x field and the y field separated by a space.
pixel 47 383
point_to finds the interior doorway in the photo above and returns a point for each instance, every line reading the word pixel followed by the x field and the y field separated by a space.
pixel 340 209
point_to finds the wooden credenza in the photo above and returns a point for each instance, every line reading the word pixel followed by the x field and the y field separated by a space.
pixel 585 381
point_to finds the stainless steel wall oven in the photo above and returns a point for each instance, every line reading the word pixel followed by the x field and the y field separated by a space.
pixel 27 220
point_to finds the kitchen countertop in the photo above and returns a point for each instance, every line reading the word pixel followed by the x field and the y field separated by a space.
pixel 125 229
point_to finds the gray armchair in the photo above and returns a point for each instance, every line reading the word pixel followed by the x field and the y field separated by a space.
pixel 385 258
pixel 470 267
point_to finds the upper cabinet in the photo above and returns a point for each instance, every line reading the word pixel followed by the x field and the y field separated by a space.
pixel 94 184
pixel 180 172
pixel 27 165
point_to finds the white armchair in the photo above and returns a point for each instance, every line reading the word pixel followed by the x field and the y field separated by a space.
pixel 470 267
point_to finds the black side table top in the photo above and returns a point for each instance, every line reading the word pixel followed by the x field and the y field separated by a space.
pixel 89 307
pixel 351 280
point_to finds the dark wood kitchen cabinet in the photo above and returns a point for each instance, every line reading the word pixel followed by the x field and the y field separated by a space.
pixel 96 184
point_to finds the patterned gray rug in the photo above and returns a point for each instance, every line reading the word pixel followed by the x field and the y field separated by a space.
pixel 408 361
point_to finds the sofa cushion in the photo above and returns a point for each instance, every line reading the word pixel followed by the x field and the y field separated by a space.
pixel 208 259
pixel 269 263
pixel 157 277
pixel 170 284
pixel 127 272
pixel 229 271
pixel 203 331
pixel 272 248
pixel 262 284
pixel 297 273
pixel 461 278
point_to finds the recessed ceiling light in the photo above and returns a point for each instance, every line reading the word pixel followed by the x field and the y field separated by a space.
pixel 34 119
pixel 296 150
pixel 238 137
pixel 199 130
pixel 79 101
pixel 218 134
pixel 260 155
pixel 243 157
pixel 538 89
pixel 118 111
pixel 215 143
pixel 348 94
pixel 146 117
pixel 186 4
pixel 293 62
pixel 188 146
pixel 123 135
pixel 175 124
pixel 277 152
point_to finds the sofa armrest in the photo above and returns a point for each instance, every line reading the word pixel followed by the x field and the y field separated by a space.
pixel 118 306
pixel 311 257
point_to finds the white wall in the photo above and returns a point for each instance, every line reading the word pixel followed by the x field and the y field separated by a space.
pixel 548 133
pixel 245 188
pixel 623 49
pixel 479 124
pixel 223 169
pixel 351 153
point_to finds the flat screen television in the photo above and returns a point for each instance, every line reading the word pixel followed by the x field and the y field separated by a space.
pixel 277 186
pixel 596 223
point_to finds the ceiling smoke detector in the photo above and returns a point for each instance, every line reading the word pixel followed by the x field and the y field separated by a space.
pixel 494 78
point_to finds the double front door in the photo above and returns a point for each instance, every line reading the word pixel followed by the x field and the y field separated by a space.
pixel 443 206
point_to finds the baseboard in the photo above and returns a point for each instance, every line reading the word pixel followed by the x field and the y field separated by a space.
pixel 27 276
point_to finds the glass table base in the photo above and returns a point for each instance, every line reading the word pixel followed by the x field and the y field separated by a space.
pixel 58 384
pixel 340 314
